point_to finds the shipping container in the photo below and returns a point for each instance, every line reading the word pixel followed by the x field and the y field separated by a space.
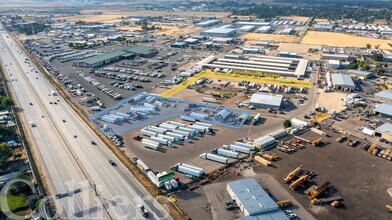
pixel 148 133
pixel 214 157
pixel 250 146
pixel 227 153
pixel 239 149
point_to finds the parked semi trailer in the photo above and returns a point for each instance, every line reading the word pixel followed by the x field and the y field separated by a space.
pixel 204 124
pixel 168 127
pixel 214 157
pixel 156 130
pixel 250 146
pixel 162 141
pixel 148 133
pixel 150 144
pixel 239 149
pixel 191 131
pixel 178 136
pixel 224 152
pixel 166 137
pixel 186 134
pixel 186 118
pixel 176 123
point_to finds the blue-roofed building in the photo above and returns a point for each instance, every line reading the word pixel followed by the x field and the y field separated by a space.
pixel 384 109
pixel 254 201
pixel 384 96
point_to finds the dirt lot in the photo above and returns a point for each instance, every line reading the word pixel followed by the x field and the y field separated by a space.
pixel 178 30
pixel 341 39
pixel 355 175
pixel 189 152
pixel 332 100
pixel 297 18
pixel 254 37
pixel 301 49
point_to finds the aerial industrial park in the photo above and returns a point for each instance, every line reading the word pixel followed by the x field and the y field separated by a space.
pixel 195 109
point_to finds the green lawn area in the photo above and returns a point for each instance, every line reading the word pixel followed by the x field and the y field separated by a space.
pixel 16 202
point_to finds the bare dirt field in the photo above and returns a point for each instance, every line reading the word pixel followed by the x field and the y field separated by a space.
pixel 341 39
pixel 332 100
pixel 297 18
pixel 177 30
pixel 268 37
pixel 301 49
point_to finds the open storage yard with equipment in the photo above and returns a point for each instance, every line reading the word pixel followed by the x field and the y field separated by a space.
pixel 341 39
pixel 255 37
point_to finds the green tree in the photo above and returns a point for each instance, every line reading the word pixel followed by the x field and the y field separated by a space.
pixel 368 46
pixel 5 154
pixel 287 124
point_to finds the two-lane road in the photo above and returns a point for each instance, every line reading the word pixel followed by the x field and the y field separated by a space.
pixel 63 142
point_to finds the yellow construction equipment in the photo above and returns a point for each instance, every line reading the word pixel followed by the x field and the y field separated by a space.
pixel 317 142
pixel 270 157
pixel 389 207
pixel 262 161
pixel 292 174
pixel 284 203
pixel 298 182
pixel 318 190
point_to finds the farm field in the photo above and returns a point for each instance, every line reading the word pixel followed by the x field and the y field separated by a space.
pixel 297 18
pixel 268 37
pixel 341 39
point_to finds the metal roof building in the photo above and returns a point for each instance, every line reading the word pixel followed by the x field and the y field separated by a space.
pixel 265 142
pixel 384 96
pixel 384 131
pixel 219 32
pixel 266 100
pixel 208 23
pixel 342 82
pixel 360 73
pixel 384 109
pixel 285 66
pixel 253 200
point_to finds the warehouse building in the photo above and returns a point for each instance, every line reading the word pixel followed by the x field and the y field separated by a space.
pixel 246 29
pixel 265 142
pixel 333 64
pixel 333 56
pixel 114 56
pixel 178 45
pixel 287 31
pixel 264 29
pixel 252 23
pixel 342 82
pixel 384 131
pixel 208 23
pixel 253 200
pixel 360 74
pixel 384 109
pixel 283 66
pixel 223 40
pixel 384 96
pixel 266 100
pixel 219 32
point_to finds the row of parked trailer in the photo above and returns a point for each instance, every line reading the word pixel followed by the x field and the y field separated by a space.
pixel 229 151
pixel 134 71
pixel 188 169
pixel 123 77
pixel 171 132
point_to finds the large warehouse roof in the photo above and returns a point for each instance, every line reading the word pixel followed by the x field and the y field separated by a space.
pixel 103 57
pixel 385 128
pixel 266 64
pixel 384 94
pixel 384 108
pixel 254 199
pixel 226 31
pixel 266 99
pixel 342 79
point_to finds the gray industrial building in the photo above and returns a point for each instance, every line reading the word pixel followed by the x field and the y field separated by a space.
pixel 384 109
pixel 342 82
pixel 219 32
pixel 265 142
pixel 384 96
pixel 284 66
pixel 266 100
pixel 208 23
pixel 360 73
pixel 114 56
pixel 254 201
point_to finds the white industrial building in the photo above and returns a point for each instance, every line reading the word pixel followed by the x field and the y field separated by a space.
pixel 384 96
pixel 264 29
pixel 266 100
pixel 208 23
pixel 253 23
pixel 265 142
pixel 285 66
pixel 298 123
pixel 253 200
pixel 219 32
pixel 246 29
pixel 333 64
pixel 342 82
pixel 287 31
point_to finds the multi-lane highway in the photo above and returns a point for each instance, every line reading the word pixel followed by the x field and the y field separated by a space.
pixel 67 156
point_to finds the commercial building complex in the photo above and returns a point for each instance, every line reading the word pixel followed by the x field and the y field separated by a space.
pixel 294 67
pixel 253 200
pixel 384 109
pixel 360 73
pixel 114 56
pixel 266 100
pixel 342 82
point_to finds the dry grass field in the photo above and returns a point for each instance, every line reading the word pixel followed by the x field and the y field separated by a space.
pixel 177 30
pixel 250 37
pixel 320 20
pixel 341 39
pixel 297 18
